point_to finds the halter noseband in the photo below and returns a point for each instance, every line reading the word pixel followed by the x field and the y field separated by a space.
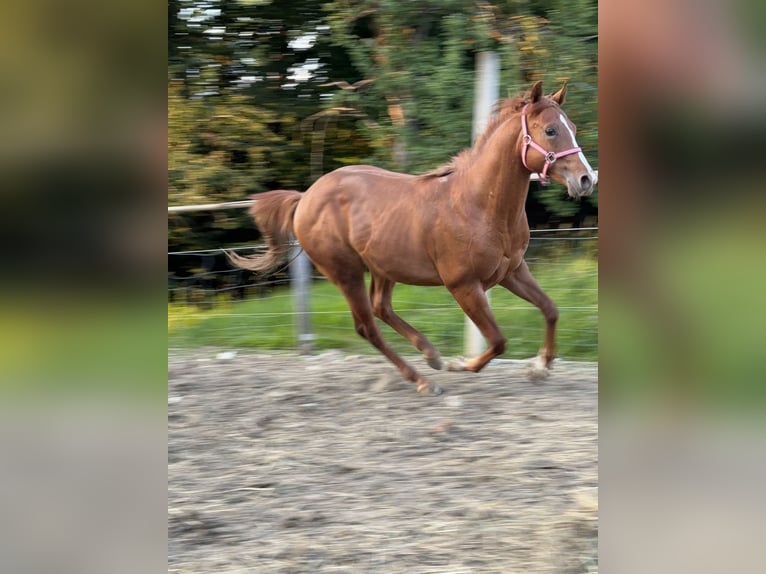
pixel 550 157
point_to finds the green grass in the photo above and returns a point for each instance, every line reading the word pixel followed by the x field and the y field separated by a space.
pixel 696 337
pixel 267 322
pixel 74 346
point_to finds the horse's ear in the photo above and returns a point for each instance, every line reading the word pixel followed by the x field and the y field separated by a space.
pixel 559 96
pixel 536 92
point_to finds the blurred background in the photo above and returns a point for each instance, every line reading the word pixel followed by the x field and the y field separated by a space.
pixel 682 125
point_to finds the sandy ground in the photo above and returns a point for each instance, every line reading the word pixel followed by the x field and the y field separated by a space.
pixel 332 463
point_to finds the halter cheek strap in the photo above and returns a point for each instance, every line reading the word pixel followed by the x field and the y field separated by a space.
pixel 550 157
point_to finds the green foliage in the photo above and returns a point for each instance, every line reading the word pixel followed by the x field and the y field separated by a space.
pixel 264 95
pixel 219 150
pixel 421 57
pixel 235 108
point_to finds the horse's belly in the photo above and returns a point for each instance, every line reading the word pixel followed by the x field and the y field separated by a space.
pixel 401 265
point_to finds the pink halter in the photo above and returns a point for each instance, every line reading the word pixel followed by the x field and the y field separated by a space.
pixel 550 157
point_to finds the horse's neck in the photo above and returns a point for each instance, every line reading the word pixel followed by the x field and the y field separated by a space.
pixel 498 182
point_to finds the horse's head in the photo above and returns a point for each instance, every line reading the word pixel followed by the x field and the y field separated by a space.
pixel 549 146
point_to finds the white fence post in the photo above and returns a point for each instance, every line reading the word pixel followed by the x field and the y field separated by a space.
pixel 300 284
pixel 486 93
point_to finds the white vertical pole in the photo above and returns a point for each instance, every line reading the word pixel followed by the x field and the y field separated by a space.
pixel 300 282
pixel 486 93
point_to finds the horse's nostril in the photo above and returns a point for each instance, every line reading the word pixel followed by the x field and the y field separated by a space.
pixel 585 183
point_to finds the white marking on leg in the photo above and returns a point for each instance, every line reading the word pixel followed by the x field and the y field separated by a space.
pixel 537 370
pixel 456 364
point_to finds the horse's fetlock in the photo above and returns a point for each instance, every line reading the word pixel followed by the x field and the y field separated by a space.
pixel 498 346
pixel 410 374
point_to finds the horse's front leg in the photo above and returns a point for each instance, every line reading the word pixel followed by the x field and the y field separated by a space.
pixel 521 282
pixel 473 301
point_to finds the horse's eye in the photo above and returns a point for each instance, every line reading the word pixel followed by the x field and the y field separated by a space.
pixel 550 132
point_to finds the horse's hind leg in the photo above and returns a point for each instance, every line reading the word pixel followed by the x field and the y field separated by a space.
pixel 351 284
pixel 381 290
pixel 522 283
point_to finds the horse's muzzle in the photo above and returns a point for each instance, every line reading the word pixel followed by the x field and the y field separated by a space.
pixel 580 186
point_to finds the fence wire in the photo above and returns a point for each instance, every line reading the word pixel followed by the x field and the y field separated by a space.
pixel 212 303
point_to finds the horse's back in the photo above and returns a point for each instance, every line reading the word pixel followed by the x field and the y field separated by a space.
pixel 378 215
pixel 367 172
pixel 359 188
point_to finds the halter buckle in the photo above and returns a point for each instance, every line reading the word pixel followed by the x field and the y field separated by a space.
pixel 550 157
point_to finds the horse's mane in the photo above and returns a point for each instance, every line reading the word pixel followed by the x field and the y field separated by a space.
pixel 502 110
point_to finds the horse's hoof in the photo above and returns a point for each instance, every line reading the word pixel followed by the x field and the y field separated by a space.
pixel 537 375
pixel 435 362
pixel 537 370
pixel 457 364
pixel 426 388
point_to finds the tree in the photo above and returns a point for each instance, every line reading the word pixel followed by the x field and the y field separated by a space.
pixel 419 60
pixel 235 106
pixel 266 95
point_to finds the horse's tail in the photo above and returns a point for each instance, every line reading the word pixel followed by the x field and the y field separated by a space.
pixel 273 212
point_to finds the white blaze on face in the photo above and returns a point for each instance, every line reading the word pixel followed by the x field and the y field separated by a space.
pixel 584 161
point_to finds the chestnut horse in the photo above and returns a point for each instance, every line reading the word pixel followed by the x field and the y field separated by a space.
pixel 462 226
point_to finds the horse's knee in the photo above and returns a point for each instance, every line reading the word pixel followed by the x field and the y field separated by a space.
pixel 361 330
pixel 551 313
